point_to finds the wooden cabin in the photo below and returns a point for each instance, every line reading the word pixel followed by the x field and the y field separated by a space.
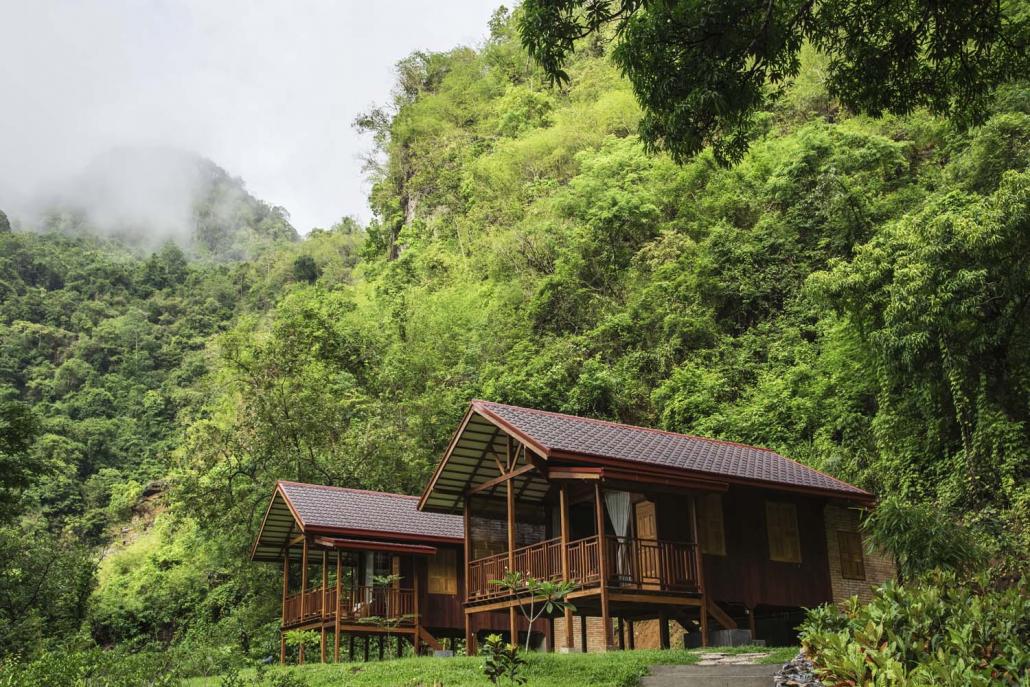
pixel 652 526
pixel 361 564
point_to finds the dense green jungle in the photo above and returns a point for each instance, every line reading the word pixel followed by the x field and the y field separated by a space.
pixel 853 293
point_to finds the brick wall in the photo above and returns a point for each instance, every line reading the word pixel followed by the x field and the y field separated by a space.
pixel 878 566
pixel 645 634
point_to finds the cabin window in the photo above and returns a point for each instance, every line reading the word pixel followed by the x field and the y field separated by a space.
pixel 784 537
pixel 852 563
pixel 443 572
pixel 710 524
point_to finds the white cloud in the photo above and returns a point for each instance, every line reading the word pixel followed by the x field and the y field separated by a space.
pixel 265 89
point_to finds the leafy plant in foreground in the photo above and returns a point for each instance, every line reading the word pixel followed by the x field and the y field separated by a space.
pixel 503 661
pixel 544 596
pixel 939 631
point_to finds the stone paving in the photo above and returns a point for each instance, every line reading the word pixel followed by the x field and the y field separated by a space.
pixel 715 669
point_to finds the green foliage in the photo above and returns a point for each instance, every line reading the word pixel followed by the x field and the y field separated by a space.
pixel 920 540
pixel 943 631
pixel 544 596
pixel 705 71
pixel 502 661
pixel 93 667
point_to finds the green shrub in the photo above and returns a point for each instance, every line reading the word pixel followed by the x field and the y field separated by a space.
pixel 91 668
pixel 939 631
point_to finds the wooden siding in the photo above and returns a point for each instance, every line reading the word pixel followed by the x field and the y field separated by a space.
pixel 746 575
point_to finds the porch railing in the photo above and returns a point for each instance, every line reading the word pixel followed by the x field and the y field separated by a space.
pixel 356 605
pixel 631 563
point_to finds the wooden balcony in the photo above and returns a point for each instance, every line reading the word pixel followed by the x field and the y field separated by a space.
pixel 357 606
pixel 639 564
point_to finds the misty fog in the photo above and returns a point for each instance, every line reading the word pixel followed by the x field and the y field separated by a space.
pixel 109 108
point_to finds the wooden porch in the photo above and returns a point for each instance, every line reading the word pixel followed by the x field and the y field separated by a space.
pixel 365 605
pixel 648 565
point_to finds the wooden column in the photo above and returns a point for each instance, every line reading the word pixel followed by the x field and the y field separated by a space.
pixel 366 640
pixel 632 636
pixel 583 633
pixel 563 508
pixel 602 555
pixel 513 626
pixel 324 613
pixel 470 636
pixel 400 646
pixel 699 568
pixel 350 649
pixel 382 646
pixel 416 640
pixel 336 609
pixel 303 591
pixel 286 592
pixel 751 623
pixel 663 629
pixel 622 634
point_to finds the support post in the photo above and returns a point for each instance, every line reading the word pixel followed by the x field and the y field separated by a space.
pixel 622 634
pixel 336 609
pixel 632 636
pixel 699 568
pixel 365 640
pixel 286 592
pixel 415 639
pixel 563 508
pixel 303 591
pixel 381 646
pixel 513 627
pixel 350 649
pixel 583 633
pixel 663 629
pixel 470 637
pixel 324 613
pixel 602 556
pixel 752 625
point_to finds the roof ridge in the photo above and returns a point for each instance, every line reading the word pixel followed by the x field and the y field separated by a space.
pixel 348 489
pixel 655 430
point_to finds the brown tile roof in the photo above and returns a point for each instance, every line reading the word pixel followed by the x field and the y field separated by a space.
pixel 551 432
pixel 336 508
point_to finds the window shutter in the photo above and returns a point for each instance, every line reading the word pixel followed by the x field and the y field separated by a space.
pixel 852 562
pixel 710 524
pixel 443 572
pixel 784 536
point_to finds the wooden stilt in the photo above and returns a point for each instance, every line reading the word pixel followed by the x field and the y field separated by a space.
pixel 336 609
pixel 513 627
pixel 470 637
pixel 550 635
pixel 322 658
pixel 700 569
pixel 366 640
pixel 663 630
pixel 563 507
pixel 381 647
pixel 583 633
pixel 602 555
pixel 286 593
pixel 416 640
pixel 632 636
pixel 350 649
pixel 752 624
pixel 622 634
pixel 400 646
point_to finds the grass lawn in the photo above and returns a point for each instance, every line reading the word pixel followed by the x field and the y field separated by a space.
pixel 615 669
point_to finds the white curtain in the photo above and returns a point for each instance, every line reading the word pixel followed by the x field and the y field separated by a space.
pixel 617 503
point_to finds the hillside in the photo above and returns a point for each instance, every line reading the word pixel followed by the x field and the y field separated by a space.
pixel 853 294
pixel 145 197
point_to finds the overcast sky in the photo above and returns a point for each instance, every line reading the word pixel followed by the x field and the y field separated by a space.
pixel 266 89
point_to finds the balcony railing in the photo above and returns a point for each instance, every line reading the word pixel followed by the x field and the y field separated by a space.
pixel 646 564
pixel 357 605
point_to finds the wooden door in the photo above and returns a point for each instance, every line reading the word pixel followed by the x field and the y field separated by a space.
pixel 648 564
